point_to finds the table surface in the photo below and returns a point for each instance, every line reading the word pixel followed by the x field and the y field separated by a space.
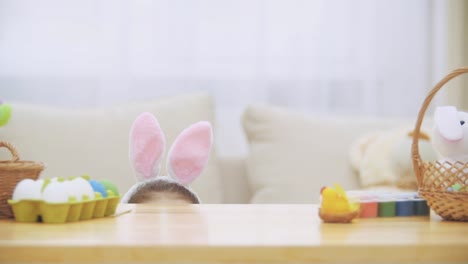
pixel 231 234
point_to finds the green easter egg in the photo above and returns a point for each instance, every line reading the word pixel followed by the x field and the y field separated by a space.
pixel 5 113
pixel 108 185
pixel 456 187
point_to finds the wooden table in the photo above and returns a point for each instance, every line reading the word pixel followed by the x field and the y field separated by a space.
pixel 234 234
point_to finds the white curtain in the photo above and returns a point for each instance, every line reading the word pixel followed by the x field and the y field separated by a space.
pixel 324 56
pixel 456 40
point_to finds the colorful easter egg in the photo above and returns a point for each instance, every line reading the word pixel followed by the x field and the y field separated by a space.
pixel 110 186
pixel 80 188
pixel 76 194
pixel 98 187
pixel 56 192
pixel 456 187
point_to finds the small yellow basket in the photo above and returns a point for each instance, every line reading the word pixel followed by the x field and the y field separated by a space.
pixel 12 172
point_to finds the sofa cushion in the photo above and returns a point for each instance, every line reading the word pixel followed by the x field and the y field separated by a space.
pixel 292 155
pixel 95 141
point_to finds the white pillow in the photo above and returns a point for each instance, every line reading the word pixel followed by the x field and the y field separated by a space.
pixel 293 155
pixel 95 141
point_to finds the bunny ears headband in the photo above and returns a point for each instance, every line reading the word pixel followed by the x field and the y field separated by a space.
pixel 185 160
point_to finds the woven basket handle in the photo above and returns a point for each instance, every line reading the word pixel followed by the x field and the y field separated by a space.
pixel 12 150
pixel 415 147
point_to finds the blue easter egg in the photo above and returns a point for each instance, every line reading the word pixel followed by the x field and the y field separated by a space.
pixel 98 187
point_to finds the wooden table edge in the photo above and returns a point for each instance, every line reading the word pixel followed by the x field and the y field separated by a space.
pixel 230 254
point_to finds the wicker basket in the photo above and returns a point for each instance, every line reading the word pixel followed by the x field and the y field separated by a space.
pixel 434 178
pixel 12 172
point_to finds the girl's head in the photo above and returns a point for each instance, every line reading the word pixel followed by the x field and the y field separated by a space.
pixel 185 162
pixel 162 191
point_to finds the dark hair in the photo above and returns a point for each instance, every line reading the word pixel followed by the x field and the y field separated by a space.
pixel 143 193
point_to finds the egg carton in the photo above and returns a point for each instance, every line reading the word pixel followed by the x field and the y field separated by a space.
pixel 35 210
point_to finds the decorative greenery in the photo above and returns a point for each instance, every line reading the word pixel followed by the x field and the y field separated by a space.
pixel 5 113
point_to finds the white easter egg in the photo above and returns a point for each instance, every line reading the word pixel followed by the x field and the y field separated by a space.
pixel 79 187
pixel 74 190
pixel 67 186
pixel 27 189
pixel 56 192
pixel 39 184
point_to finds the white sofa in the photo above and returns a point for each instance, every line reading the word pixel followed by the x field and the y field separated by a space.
pixel 291 155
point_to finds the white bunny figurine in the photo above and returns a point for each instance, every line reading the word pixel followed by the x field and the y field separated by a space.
pixel 185 162
pixel 450 134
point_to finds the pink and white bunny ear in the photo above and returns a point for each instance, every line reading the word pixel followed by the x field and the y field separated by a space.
pixel 190 152
pixel 147 144
pixel 447 123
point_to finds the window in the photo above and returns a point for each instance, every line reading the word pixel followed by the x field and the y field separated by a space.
pixel 336 56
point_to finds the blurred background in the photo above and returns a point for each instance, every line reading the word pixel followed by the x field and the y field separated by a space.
pixel 337 57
